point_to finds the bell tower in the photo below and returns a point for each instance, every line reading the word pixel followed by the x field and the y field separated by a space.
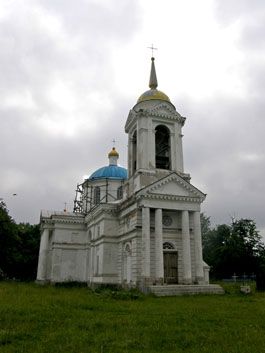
pixel 154 129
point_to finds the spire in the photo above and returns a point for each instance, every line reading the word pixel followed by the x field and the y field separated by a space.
pixel 153 79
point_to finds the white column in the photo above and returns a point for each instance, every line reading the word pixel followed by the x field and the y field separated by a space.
pixel 43 253
pixel 186 248
pixel 159 261
pixel 198 248
pixel 146 241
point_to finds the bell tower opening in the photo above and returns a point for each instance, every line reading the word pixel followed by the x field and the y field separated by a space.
pixel 134 151
pixel 162 147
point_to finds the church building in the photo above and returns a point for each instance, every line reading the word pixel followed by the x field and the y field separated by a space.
pixel 135 227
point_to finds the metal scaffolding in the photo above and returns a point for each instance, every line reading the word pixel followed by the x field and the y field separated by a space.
pixel 89 196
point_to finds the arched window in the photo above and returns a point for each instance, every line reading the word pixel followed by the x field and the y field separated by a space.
pixel 97 195
pixel 168 246
pixel 89 236
pixel 119 193
pixel 162 147
pixel 134 151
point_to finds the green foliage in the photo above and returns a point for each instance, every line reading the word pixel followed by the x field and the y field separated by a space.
pixel 19 247
pixel 235 248
pixel 8 240
pixel 205 226
pixel 44 319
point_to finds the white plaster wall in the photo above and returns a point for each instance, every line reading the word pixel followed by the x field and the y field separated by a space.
pixel 110 257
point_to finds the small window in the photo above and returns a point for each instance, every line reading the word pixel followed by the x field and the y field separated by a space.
pixel 168 246
pixel 97 195
pixel 119 193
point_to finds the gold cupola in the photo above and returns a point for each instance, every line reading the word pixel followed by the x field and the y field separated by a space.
pixel 153 93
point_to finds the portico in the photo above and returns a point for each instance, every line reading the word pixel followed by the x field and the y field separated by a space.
pixel 190 249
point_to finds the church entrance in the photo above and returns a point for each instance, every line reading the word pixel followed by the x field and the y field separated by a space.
pixel 170 267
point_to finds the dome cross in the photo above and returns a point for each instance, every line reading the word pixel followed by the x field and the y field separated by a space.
pixel 152 48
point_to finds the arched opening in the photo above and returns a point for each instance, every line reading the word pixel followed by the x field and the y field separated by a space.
pixel 168 246
pixel 97 195
pixel 134 151
pixel 170 263
pixel 162 147
pixel 127 263
pixel 119 193
pixel 89 236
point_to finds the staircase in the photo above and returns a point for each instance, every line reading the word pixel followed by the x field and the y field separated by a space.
pixel 180 289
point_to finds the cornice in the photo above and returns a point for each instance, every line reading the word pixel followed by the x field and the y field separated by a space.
pixel 108 208
pixel 80 219
pixel 168 113
pixel 170 198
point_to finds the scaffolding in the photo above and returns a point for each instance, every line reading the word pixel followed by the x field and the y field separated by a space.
pixel 90 196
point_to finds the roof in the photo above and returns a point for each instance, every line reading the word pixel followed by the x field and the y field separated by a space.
pixel 153 94
pixel 109 172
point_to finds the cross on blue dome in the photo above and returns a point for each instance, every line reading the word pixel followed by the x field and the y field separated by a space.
pixel 112 171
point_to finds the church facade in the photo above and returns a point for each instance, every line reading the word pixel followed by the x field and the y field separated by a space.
pixel 136 227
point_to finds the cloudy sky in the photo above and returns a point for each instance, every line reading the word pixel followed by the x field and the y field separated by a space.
pixel 71 70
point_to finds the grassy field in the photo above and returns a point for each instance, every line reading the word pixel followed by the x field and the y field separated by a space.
pixel 57 319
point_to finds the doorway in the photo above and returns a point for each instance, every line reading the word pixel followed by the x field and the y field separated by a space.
pixel 171 267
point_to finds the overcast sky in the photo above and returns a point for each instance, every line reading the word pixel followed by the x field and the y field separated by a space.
pixel 70 71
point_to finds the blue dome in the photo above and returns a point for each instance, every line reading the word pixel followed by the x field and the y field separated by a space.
pixel 109 172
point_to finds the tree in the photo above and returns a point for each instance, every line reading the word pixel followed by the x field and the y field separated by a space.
pixel 19 247
pixel 8 239
pixel 235 248
pixel 205 227
pixel 28 250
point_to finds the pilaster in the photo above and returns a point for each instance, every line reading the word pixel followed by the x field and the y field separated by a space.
pixel 43 255
pixel 199 276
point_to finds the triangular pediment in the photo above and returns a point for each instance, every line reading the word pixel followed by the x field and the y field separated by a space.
pixel 166 110
pixel 163 108
pixel 173 185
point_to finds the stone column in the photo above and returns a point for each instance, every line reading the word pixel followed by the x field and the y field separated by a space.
pixel 146 242
pixel 43 253
pixel 186 257
pixel 159 261
pixel 199 276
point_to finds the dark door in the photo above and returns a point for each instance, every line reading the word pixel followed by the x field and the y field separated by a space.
pixel 171 267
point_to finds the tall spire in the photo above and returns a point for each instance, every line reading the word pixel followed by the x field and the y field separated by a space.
pixel 153 80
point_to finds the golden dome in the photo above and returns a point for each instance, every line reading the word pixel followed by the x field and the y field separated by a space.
pixel 153 94
pixel 113 153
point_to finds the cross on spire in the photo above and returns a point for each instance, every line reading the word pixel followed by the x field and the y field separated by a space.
pixel 113 141
pixel 152 48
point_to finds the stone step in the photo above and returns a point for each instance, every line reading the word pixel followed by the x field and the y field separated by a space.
pixel 180 289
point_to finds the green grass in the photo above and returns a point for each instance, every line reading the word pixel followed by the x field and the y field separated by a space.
pixel 57 319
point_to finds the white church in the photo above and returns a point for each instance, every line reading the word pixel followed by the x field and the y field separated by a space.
pixel 138 227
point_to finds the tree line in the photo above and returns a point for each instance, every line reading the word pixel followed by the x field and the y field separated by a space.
pixel 19 247
pixel 234 249
pixel 231 249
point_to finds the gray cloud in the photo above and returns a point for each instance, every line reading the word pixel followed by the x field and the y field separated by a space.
pixel 50 50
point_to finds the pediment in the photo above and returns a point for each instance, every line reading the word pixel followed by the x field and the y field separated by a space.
pixel 166 110
pixel 173 186
pixel 163 108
